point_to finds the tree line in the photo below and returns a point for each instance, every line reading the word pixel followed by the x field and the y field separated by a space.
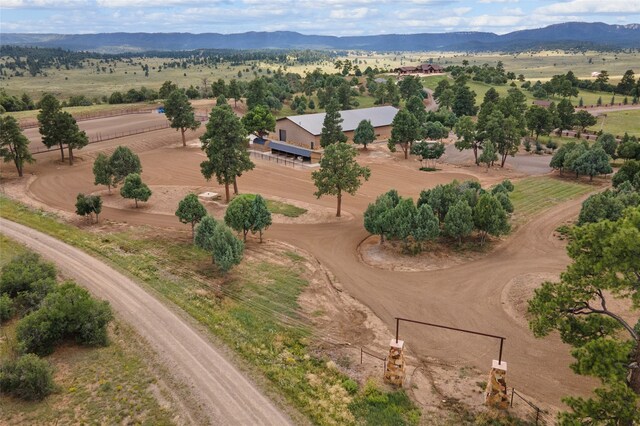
pixel 453 210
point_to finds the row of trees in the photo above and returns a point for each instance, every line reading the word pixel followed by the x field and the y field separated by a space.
pixel 49 315
pixel 454 210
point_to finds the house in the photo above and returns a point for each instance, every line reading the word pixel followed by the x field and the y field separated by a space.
pixel 300 134
pixel 420 69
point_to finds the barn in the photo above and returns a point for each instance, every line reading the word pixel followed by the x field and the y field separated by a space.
pixel 303 131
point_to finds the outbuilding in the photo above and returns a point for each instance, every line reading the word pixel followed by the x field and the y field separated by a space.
pixel 304 130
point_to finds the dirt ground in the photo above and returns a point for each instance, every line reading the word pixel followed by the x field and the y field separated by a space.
pixel 469 294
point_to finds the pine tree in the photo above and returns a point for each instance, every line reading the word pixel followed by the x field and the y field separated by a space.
pixel 190 210
pixel 123 162
pixel 364 133
pixel 203 236
pixel 134 188
pixel 458 222
pixel 14 146
pixel 339 173
pixel 180 113
pixel 261 216
pixel 102 173
pixel 331 127
pixel 224 142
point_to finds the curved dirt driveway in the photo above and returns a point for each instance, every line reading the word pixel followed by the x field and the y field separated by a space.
pixel 466 296
pixel 229 398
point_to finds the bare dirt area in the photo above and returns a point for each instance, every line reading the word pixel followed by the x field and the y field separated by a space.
pixel 108 126
pixel 467 295
pixel 434 256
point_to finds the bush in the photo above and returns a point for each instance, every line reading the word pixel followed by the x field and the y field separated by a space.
pixel 7 309
pixel 68 312
pixel 29 378
pixel 350 386
pixel 22 272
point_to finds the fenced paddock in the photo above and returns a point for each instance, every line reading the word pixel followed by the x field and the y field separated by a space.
pixel 280 159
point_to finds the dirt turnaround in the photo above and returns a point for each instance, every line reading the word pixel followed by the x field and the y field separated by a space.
pixel 467 295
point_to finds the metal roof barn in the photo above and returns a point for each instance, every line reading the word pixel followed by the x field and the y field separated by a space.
pixel 379 116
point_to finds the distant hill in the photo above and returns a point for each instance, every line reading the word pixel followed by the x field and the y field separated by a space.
pixel 568 35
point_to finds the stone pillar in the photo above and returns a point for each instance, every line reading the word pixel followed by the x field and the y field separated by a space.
pixel 395 371
pixel 496 392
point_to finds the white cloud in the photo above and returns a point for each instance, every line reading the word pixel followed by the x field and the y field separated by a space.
pixel 40 4
pixel 591 6
pixel 498 1
pixel 357 13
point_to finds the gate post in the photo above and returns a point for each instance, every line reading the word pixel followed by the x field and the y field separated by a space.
pixel 395 369
pixel 496 392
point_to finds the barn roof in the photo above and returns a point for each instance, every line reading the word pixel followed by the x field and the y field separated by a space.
pixel 379 116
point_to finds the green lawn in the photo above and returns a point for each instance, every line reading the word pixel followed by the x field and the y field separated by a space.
pixel 253 309
pixel 288 210
pixel 619 122
pixel 535 194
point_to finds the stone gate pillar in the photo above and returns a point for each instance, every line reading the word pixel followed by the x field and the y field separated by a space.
pixel 496 392
pixel 395 371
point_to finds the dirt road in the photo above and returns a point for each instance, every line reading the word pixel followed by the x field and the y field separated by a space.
pixel 229 398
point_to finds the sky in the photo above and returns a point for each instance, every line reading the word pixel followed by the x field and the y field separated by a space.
pixel 325 17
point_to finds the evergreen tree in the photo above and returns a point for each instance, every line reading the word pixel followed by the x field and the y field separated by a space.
pixel 234 91
pixel 488 155
pixel 239 214
pixel 426 226
pixel 404 131
pixel 465 130
pixel 464 101
pixel 14 146
pixel 47 117
pixel 123 162
pixel 458 222
pixel 606 265
pixel 339 173
pixel 489 218
pixel 102 173
pixel 331 126
pixel 180 113
pixel 224 142
pixel 203 236
pixel 88 205
pixel 227 249
pixel 261 216
pixel 190 210
pixel 377 218
pixel 68 131
pixel 592 162
pixel 364 133
pixel 134 188
pixel 259 121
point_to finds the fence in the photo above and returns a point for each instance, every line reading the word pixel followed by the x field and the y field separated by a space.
pixel 99 137
pixel 365 352
pixel 82 116
pixel 541 415
pixel 277 159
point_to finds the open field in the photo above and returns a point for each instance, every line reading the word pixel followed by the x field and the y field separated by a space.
pixel 129 74
pixel 619 122
pixel 94 385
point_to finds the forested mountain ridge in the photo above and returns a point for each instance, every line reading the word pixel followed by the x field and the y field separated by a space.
pixel 570 35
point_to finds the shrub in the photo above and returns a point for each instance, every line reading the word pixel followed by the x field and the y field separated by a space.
pixel 29 378
pixel 350 386
pixel 22 271
pixel 6 308
pixel 69 311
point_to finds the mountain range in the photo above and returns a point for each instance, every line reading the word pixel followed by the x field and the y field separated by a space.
pixel 569 35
